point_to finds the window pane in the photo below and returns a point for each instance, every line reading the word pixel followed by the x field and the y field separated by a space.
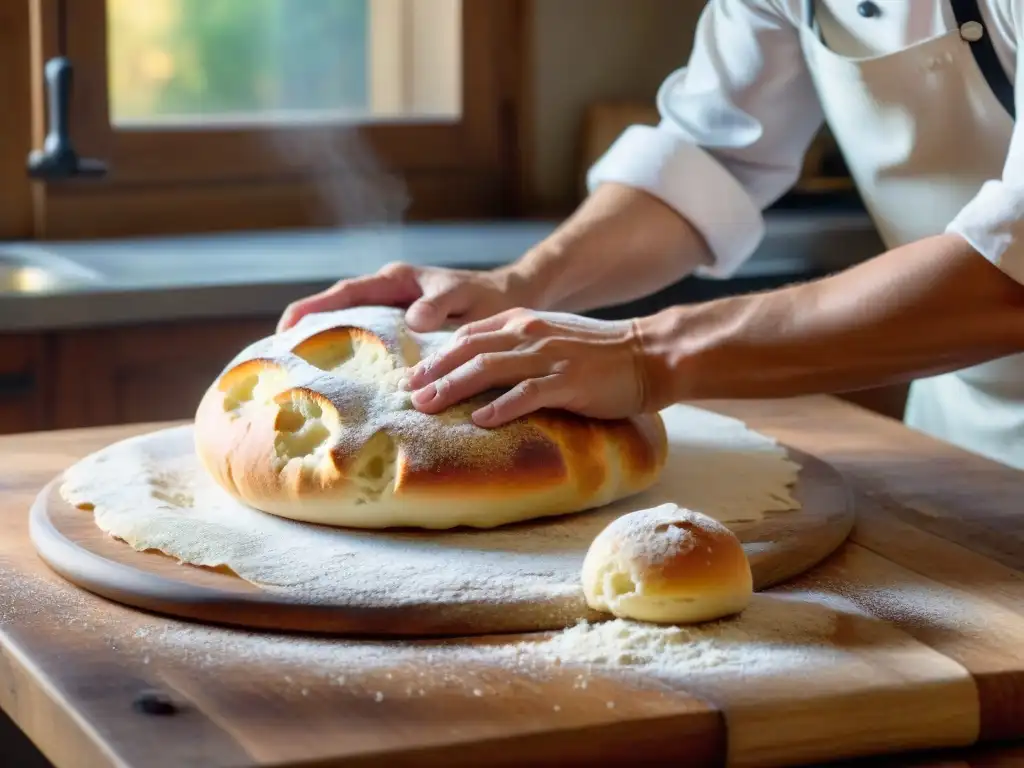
pixel 254 61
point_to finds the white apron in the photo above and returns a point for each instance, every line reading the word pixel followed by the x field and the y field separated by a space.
pixel 921 129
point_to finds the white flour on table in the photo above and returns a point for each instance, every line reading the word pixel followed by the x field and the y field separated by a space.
pixel 779 631
pixel 788 639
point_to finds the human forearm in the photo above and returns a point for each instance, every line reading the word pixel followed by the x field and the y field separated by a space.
pixel 621 244
pixel 929 307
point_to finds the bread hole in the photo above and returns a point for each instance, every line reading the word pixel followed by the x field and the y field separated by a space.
pixel 351 353
pixel 259 383
pixel 372 364
pixel 85 506
pixel 240 392
pixel 327 350
pixel 374 470
pixel 302 442
pixel 618 583
pixel 300 427
pixel 293 415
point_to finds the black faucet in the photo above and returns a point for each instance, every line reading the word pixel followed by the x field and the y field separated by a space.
pixel 58 158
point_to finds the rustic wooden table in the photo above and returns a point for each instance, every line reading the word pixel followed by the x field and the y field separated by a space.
pixel 96 684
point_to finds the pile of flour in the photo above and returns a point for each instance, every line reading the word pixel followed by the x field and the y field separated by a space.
pixel 779 631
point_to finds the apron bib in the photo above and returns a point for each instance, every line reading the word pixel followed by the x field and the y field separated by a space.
pixel 921 129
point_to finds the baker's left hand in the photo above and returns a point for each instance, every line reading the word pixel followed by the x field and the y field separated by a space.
pixel 543 359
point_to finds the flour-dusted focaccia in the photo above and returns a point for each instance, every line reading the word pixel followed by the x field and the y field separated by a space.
pixel 313 424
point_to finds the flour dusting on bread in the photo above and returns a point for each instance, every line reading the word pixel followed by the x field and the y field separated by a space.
pixel 315 424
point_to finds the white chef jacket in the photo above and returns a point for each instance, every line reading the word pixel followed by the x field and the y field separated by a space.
pixel 738 119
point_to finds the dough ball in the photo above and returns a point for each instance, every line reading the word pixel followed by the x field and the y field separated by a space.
pixel 667 565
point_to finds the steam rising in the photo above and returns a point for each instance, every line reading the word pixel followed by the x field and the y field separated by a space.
pixel 359 191
pixel 354 190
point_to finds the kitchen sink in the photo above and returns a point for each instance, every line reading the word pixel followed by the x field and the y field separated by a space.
pixel 36 272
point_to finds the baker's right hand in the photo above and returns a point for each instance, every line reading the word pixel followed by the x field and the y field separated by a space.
pixel 434 296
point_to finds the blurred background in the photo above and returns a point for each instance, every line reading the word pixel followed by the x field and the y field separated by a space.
pixel 174 172
pixel 196 60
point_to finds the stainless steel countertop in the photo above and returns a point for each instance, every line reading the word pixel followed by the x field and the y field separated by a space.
pixel 238 274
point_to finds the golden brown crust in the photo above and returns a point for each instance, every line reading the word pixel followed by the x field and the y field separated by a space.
pixel 315 426
pixel 716 557
pixel 667 564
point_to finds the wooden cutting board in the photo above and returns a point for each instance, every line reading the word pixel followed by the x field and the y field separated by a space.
pixel 779 545
pixel 926 601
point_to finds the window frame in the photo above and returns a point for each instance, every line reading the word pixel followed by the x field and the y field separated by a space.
pixel 404 36
pixel 175 180
pixel 16 203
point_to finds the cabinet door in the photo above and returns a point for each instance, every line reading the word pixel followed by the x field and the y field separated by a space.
pixel 155 372
pixel 25 379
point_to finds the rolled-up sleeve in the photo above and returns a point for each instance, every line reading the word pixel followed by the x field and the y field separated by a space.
pixel 735 124
pixel 993 220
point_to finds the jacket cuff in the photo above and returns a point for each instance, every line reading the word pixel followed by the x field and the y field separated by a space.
pixel 691 182
pixel 993 223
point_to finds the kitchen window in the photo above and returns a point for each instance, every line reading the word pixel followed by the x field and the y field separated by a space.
pixel 244 114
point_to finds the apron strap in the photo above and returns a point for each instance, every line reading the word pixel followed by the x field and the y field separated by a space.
pixel 809 15
pixel 985 54
pixel 982 49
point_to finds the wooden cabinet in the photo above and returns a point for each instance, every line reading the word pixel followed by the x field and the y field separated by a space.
pixel 25 382
pixel 97 377
pixel 151 372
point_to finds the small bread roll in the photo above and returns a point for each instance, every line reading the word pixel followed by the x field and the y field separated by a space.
pixel 667 565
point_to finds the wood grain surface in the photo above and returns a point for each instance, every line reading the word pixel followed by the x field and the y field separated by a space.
pixel 779 546
pixel 924 659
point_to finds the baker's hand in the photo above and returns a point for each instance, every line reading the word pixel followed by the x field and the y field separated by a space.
pixel 543 359
pixel 434 296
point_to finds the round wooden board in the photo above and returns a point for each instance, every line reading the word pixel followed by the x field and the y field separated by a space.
pixel 779 546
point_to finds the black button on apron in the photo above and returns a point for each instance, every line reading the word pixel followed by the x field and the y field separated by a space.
pixel 868 9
